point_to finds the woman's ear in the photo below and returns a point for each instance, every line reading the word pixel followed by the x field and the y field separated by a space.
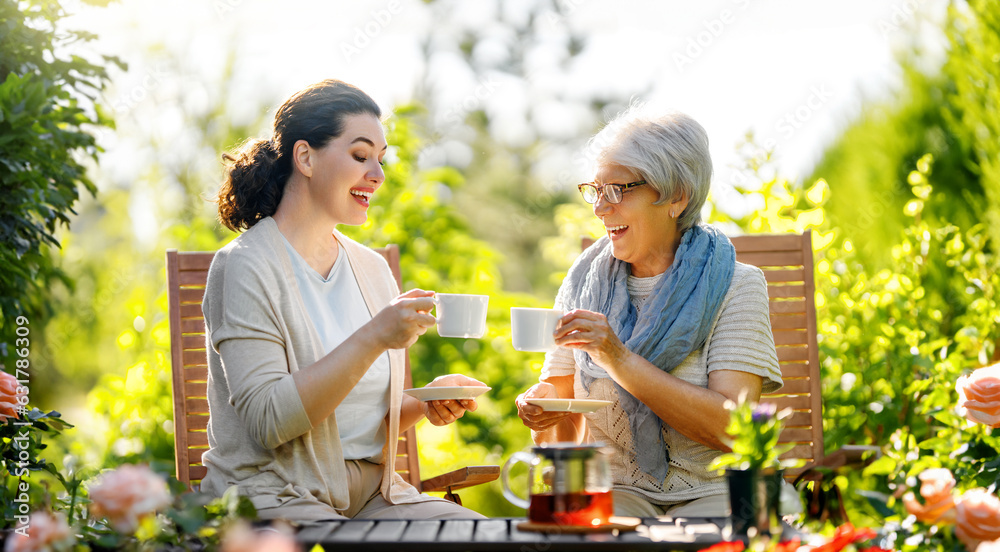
pixel 302 158
pixel 678 206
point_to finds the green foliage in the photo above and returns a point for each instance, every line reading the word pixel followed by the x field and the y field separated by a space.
pixel 22 441
pixel 753 432
pixel 43 131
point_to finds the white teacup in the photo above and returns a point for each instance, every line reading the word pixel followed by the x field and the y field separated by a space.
pixel 531 329
pixel 461 315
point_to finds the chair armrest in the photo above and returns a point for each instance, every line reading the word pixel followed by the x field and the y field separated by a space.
pixel 460 479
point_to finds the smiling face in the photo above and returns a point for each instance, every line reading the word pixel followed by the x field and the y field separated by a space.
pixel 345 173
pixel 642 234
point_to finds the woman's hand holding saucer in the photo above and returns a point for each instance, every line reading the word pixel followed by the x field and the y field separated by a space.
pixel 444 412
pixel 535 417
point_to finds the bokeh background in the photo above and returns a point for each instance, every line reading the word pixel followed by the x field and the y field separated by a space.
pixel 871 122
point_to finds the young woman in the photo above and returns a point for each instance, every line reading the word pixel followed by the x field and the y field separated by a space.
pixel 307 330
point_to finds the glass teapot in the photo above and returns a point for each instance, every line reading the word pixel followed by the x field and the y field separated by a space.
pixel 568 484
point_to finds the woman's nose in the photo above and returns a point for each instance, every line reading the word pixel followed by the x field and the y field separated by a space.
pixel 376 174
pixel 601 206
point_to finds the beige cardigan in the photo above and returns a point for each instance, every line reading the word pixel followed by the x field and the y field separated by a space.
pixel 259 435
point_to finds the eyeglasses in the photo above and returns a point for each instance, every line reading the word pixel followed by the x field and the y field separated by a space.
pixel 613 193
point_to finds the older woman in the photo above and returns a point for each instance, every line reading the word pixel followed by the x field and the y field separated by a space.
pixel 661 320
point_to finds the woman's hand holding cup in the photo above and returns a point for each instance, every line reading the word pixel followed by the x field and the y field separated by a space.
pixel 406 318
pixel 535 417
pixel 444 412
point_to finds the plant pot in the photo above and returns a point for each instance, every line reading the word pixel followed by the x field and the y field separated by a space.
pixel 754 499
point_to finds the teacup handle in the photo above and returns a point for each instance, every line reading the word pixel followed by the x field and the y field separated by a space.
pixel 515 458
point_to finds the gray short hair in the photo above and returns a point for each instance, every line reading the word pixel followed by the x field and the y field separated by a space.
pixel 669 151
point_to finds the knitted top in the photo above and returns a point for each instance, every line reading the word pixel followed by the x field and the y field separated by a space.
pixel 740 339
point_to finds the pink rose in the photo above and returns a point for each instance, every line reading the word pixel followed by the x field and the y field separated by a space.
pixel 128 494
pixel 45 532
pixel 242 538
pixel 977 518
pixel 935 489
pixel 9 396
pixel 979 395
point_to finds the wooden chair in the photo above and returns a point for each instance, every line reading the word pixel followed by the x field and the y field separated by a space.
pixel 787 263
pixel 186 276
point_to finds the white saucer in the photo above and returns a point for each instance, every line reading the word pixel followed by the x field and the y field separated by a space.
pixel 576 406
pixel 444 393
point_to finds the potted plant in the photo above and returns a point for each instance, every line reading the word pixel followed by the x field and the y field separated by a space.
pixel 753 468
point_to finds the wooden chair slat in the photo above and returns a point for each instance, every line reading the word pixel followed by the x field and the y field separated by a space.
pixel 782 275
pixel 190 326
pixel 192 278
pixel 792 306
pixel 195 455
pixel 195 260
pixel 197 473
pixel 792 353
pixel 795 435
pixel 795 370
pixel 195 373
pixel 799 419
pixel 193 342
pixel 795 387
pixel 771 258
pixel 790 290
pixel 767 242
pixel 192 295
pixel 788 321
pixel 197 422
pixel 790 337
pixel 196 405
pixel 191 310
pixel 795 402
pixel 195 389
pixel 195 358
pixel 196 439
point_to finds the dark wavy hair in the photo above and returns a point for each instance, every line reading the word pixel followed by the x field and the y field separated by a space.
pixel 257 171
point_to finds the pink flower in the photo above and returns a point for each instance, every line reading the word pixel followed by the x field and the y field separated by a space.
pixel 128 494
pixel 242 538
pixel 979 395
pixel 9 396
pixel 45 532
pixel 935 488
pixel 977 518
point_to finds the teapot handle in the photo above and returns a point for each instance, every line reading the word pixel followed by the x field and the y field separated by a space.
pixel 515 458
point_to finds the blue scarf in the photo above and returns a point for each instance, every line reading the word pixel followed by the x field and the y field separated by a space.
pixel 674 323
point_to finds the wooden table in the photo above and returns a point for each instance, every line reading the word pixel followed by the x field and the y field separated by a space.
pixel 662 533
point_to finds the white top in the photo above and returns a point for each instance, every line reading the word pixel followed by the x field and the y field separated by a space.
pixel 740 339
pixel 337 309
